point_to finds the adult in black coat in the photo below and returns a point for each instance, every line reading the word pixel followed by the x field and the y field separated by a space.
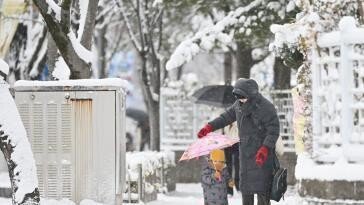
pixel 258 128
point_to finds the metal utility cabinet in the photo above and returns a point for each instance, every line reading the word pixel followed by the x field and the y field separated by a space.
pixel 77 132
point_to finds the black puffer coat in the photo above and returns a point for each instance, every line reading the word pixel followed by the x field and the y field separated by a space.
pixel 258 125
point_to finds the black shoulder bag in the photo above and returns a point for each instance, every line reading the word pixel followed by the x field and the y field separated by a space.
pixel 279 183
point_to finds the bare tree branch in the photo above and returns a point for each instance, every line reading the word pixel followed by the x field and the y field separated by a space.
pixel 140 26
pixel 130 31
pixel 86 39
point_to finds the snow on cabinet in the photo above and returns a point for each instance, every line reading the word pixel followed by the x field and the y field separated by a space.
pixel 77 132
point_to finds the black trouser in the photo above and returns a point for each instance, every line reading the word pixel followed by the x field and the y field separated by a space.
pixel 232 162
pixel 263 199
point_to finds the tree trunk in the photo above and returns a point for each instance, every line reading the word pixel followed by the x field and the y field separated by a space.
pixel 154 126
pixel 7 149
pixel 244 61
pixel 87 34
pixel 22 193
pixel 179 72
pixel 361 11
pixel 52 55
pixel 102 46
pixel 228 68
pixel 282 75
pixel 151 103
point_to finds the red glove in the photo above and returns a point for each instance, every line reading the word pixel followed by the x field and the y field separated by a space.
pixel 204 131
pixel 261 156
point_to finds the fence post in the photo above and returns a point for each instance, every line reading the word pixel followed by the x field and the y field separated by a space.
pixel 162 174
pixel 346 25
pixel 129 186
pixel 140 183
pixel 316 101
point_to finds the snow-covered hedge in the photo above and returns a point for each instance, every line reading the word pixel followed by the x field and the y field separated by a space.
pixel 151 162
pixel 156 169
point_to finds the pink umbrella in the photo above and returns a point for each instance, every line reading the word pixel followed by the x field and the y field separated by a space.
pixel 205 145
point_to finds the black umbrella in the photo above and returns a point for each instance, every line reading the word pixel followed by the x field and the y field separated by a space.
pixel 215 95
pixel 138 115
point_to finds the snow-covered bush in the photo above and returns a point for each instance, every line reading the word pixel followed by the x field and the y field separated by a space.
pixel 315 17
pixel 154 166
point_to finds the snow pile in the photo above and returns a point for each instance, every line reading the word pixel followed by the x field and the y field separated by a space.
pixel 150 161
pixel 306 168
pixel 25 177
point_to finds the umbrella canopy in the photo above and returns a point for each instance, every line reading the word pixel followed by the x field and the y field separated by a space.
pixel 215 95
pixel 138 115
pixel 205 145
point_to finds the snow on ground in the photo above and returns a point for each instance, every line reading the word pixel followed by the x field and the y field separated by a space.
pixel 192 194
pixel 184 194
pixel 5 201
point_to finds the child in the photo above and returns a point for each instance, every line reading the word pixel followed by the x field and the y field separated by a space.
pixel 215 179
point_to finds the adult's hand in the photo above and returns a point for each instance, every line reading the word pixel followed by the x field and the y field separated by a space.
pixel 204 131
pixel 261 156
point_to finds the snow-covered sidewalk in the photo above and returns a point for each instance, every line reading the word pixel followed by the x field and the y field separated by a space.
pixel 192 194
pixel 188 194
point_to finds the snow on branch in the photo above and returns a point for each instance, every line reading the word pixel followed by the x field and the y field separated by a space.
pixel 82 52
pixel 61 70
pixel 129 27
pixel 53 7
pixel 318 16
pixel 83 15
pixel 242 21
pixel 289 36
